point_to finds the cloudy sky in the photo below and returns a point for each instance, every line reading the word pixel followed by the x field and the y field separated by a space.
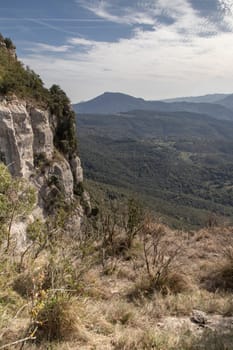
pixel 147 48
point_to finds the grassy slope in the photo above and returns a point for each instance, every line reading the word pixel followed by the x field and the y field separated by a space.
pixel 112 307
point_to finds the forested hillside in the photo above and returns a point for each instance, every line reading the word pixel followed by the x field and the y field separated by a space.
pixel 180 164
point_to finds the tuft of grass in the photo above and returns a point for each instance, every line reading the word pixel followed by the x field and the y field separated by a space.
pixel 122 313
pixel 57 319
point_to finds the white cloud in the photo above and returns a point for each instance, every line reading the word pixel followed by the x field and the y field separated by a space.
pixel 168 61
pixel 81 41
pixel 226 5
pixel 40 47
pixel 227 8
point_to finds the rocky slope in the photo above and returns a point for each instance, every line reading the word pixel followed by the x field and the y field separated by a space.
pixel 27 147
pixel 38 135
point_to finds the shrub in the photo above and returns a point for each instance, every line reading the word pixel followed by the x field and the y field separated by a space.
pixel 24 285
pixel 65 137
pixel 56 316
pixel 161 259
pixel 41 161
pixel 9 43
pixel 220 277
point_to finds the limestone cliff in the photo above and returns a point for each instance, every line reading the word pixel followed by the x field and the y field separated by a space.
pixel 27 148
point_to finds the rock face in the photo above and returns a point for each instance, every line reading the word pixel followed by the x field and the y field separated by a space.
pixel 27 148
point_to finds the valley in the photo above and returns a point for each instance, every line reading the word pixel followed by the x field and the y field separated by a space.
pixel 179 164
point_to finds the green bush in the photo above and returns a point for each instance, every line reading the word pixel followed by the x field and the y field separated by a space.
pixel 65 138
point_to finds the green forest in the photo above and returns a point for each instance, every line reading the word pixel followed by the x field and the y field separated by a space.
pixel 179 164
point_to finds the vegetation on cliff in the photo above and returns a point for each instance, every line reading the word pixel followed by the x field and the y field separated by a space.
pixel 15 79
pixel 65 135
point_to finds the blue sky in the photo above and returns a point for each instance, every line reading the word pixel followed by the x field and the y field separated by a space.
pixel 149 48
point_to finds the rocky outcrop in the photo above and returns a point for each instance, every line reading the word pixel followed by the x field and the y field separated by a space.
pixel 27 148
pixel 8 45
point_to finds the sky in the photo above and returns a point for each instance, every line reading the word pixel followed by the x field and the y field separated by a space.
pixel 153 49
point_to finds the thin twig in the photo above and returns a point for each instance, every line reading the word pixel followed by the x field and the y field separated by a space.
pixel 21 309
pixel 17 342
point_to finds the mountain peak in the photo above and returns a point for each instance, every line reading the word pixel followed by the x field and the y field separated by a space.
pixel 117 102
pixel 110 102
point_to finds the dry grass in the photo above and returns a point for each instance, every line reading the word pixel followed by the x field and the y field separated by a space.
pixel 58 319
pixel 146 339
pixel 123 309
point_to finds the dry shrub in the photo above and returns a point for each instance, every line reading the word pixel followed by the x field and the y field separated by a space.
pixel 172 283
pixel 175 282
pixel 57 319
pixel 122 313
pixel 161 259
pixel 162 266
pixel 220 278
pixel 23 284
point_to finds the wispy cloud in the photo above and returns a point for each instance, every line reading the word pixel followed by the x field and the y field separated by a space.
pixel 152 12
pixel 109 11
pixel 40 47
pixel 51 19
pixel 81 41
pixel 51 26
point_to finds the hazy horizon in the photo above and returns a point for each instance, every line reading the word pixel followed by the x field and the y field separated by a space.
pixel 154 99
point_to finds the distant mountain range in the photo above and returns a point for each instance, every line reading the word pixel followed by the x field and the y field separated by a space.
pixel 210 98
pixel 219 106
pixel 227 102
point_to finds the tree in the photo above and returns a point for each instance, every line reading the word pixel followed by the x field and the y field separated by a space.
pixel 9 44
pixel 65 137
